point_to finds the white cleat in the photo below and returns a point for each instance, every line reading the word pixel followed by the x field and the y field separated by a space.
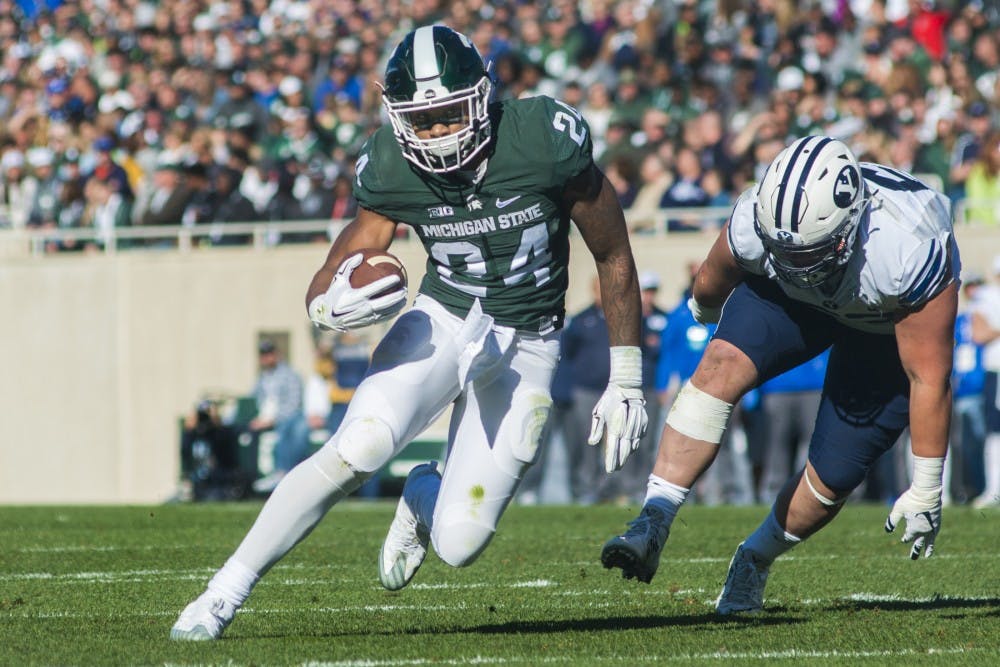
pixel 204 619
pixel 405 545
pixel 637 552
pixel 744 588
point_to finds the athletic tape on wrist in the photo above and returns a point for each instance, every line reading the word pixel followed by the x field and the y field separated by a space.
pixel 927 473
pixel 699 415
pixel 626 366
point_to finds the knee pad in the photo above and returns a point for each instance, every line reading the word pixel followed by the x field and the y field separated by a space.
pixel 523 433
pixel 366 444
pixel 340 473
pixel 460 543
pixel 699 415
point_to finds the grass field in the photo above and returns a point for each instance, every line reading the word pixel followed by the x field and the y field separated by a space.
pixel 102 586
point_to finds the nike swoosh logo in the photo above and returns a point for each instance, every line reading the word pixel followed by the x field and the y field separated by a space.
pixel 501 203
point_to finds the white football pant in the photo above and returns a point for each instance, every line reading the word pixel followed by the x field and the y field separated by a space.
pixel 498 380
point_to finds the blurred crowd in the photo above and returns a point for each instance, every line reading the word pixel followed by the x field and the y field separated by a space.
pixel 117 113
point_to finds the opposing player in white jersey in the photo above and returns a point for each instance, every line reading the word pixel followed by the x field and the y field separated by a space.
pixel 823 253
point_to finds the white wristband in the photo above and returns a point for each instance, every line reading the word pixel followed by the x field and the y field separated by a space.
pixel 626 366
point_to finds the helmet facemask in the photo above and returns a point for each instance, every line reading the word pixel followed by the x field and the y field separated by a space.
pixel 809 265
pixel 465 110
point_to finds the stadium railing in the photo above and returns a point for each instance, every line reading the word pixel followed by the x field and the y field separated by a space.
pixel 268 234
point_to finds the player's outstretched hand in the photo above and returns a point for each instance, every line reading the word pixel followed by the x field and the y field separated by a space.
pixel 344 307
pixel 920 506
pixel 923 521
pixel 619 418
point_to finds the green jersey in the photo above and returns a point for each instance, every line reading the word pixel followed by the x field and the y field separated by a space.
pixel 503 237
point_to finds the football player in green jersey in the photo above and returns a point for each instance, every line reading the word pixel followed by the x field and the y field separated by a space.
pixel 490 189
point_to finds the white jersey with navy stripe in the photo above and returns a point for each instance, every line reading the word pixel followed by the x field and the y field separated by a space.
pixel 904 253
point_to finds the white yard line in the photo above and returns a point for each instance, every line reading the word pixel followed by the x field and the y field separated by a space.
pixel 791 654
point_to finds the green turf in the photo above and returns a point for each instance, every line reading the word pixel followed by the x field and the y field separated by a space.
pixel 102 586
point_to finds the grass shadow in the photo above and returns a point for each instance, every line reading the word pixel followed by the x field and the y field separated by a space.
pixel 992 605
pixel 633 623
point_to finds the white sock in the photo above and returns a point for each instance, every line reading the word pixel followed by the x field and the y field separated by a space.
pixel 233 582
pixel 991 465
pixel 770 540
pixel 666 496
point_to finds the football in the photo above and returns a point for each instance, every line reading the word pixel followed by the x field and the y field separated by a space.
pixel 377 264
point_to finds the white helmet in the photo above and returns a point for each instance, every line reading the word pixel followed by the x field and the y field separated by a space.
pixel 808 207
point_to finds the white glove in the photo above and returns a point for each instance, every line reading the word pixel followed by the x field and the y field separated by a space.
pixel 620 415
pixel 344 307
pixel 920 506
pixel 704 314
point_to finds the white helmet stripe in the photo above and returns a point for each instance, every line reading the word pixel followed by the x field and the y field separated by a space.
pixel 794 179
pixel 789 163
pixel 425 63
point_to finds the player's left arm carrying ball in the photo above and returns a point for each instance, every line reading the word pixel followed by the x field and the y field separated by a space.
pixel 620 415
pixel 925 341
pixel 331 300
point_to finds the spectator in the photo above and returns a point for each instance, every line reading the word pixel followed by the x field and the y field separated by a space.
pixel 686 191
pixel 45 187
pixel 790 403
pixel 655 179
pixel 969 145
pixel 339 81
pixel 622 175
pixel 968 417
pixel 106 210
pixel 279 408
pixel 210 457
pixel 585 341
pixel 982 187
pixel 107 169
pixel 344 204
pixel 165 203
pixel 16 192
pixel 240 115
pixel 986 332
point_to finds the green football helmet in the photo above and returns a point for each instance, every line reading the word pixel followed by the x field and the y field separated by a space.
pixel 436 76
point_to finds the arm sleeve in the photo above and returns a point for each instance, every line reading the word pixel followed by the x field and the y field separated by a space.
pixel 746 246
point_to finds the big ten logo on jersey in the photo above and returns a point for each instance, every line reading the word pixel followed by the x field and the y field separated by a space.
pixel 440 211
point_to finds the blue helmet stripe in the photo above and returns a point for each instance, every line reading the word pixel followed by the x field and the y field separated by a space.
pixel 783 183
pixel 803 176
